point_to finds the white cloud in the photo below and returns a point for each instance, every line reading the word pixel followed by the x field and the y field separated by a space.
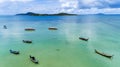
pixel 89 6
pixel 56 6
pixel 69 3
pixel 92 3
pixel 112 1
pixel 2 1
pixel 96 10
pixel 87 1
pixel 111 10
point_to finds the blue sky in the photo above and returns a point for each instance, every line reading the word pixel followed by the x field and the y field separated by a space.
pixel 55 6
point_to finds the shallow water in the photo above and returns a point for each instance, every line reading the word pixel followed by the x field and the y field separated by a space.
pixel 62 47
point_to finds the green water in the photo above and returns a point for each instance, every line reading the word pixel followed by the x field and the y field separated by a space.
pixel 62 47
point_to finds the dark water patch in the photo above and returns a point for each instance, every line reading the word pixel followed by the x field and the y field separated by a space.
pixel 57 49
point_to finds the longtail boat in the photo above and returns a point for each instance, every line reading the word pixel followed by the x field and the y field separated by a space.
pixel 5 27
pixel 14 52
pixel 52 28
pixel 103 54
pixel 84 39
pixel 33 59
pixel 27 41
pixel 29 29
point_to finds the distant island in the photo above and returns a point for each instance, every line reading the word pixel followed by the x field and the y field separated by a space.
pixel 96 14
pixel 58 14
pixel 36 14
pixel 100 14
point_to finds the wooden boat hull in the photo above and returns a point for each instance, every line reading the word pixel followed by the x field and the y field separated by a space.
pixel 102 54
pixel 27 41
pixel 29 29
pixel 52 28
pixel 84 39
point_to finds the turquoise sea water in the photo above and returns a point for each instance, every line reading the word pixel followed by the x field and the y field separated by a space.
pixel 60 48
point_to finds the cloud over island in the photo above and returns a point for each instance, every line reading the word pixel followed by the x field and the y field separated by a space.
pixel 10 7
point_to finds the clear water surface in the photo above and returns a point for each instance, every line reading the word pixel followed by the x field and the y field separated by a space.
pixel 62 47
